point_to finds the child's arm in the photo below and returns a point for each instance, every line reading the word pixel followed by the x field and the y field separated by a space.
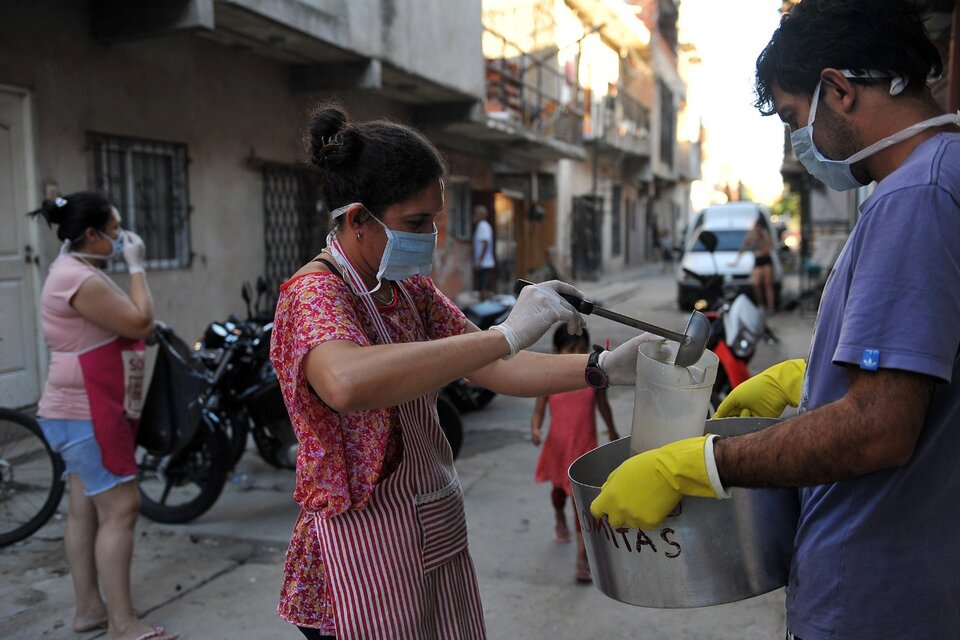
pixel 536 420
pixel 603 406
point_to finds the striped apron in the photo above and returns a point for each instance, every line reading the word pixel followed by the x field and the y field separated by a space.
pixel 399 568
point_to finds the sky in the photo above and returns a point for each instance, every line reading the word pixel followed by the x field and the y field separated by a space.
pixel 740 143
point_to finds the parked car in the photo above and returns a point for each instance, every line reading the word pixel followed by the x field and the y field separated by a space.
pixel 730 223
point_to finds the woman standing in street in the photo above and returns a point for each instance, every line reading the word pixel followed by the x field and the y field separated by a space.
pixel 91 403
pixel 758 239
pixel 362 342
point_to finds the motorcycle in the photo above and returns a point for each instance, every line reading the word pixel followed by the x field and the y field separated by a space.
pixel 202 404
pixel 736 326
pixel 183 455
pixel 248 400
pixel 461 395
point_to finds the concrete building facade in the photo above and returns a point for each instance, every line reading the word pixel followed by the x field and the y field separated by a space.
pixel 190 116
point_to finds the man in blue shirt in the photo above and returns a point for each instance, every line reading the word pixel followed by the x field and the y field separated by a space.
pixel 876 446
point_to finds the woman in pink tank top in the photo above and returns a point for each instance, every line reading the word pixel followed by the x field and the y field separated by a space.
pixel 362 341
pixel 90 407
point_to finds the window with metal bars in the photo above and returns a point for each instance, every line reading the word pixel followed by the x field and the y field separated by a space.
pixel 296 221
pixel 147 181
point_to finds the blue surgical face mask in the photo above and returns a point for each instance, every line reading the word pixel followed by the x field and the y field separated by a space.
pixel 836 174
pixel 117 242
pixel 405 254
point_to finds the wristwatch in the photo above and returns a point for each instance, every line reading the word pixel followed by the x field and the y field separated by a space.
pixel 593 374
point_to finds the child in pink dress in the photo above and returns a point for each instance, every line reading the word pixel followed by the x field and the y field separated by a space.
pixel 572 432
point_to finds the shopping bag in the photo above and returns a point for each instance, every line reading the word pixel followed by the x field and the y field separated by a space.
pixel 173 406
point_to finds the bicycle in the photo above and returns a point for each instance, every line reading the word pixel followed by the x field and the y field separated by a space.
pixel 31 477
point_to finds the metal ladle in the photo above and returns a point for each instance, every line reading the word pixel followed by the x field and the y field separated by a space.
pixel 692 341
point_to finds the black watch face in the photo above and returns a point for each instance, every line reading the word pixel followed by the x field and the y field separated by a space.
pixel 596 378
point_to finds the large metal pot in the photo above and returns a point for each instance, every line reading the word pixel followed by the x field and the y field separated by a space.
pixel 706 552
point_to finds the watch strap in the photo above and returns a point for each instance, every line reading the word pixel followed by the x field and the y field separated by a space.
pixel 593 374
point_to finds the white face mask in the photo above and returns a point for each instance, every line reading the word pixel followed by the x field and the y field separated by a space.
pixel 405 254
pixel 836 174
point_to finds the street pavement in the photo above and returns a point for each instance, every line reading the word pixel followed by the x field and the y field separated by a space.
pixel 218 577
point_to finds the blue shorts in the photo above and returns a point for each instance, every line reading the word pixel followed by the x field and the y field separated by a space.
pixel 76 444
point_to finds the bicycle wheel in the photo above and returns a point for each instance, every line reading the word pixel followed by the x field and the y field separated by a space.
pixel 31 477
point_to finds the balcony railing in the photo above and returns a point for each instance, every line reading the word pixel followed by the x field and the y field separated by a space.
pixel 532 92
pixel 627 117
pixel 620 121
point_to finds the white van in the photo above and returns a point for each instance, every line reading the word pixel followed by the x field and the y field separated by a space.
pixel 730 223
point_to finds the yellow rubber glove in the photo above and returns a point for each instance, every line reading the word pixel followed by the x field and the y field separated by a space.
pixel 646 487
pixel 766 394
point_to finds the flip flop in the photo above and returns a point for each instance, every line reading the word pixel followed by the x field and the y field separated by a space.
pixel 155 633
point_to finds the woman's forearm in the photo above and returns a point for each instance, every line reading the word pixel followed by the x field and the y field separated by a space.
pixel 530 374
pixel 140 294
pixel 350 377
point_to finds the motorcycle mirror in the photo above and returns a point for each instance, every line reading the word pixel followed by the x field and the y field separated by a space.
pixel 261 292
pixel 245 294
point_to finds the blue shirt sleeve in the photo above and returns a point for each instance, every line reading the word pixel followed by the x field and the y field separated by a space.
pixel 903 307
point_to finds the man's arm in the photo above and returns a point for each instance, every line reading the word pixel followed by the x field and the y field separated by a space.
pixel 874 426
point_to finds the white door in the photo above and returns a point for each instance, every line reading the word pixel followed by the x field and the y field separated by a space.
pixel 19 370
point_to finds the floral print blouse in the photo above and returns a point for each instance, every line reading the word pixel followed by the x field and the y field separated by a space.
pixel 341 457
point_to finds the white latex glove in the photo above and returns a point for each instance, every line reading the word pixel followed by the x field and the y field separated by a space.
pixel 538 308
pixel 620 365
pixel 134 251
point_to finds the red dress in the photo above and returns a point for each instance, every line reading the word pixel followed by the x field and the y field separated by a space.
pixel 572 433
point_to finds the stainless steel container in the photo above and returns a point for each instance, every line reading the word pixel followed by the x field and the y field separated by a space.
pixel 706 552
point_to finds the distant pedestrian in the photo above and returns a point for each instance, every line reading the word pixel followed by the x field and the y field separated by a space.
pixel 483 260
pixel 759 240
pixel 91 403
pixel 666 251
pixel 572 432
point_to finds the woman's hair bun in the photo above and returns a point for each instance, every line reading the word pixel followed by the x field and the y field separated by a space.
pixel 332 140
pixel 378 162
pixel 52 210
pixel 74 212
